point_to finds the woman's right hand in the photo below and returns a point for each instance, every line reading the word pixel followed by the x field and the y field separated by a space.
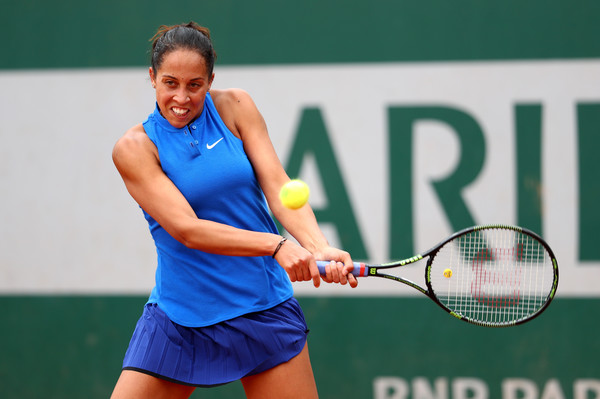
pixel 298 263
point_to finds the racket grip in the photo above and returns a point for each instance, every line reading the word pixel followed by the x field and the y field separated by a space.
pixel 360 269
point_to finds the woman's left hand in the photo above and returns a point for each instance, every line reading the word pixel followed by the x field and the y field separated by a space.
pixel 339 270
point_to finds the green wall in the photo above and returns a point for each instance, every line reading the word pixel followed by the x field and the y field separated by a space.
pixel 73 34
pixel 72 346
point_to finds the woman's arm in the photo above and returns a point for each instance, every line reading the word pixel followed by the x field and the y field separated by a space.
pixel 242 117
pixel 136 159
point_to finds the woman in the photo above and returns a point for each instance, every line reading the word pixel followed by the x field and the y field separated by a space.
pixel 222 309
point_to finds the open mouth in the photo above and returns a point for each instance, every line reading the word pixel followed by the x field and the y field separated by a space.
pixel 180 112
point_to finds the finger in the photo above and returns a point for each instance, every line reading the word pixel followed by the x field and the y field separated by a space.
pixel 336 270
pixel 292 274
pixel 349 276
pixel 352 280
pixel 314 272
pixel 327 276
pixel 343 277
pixel 304 272
pixel 295 274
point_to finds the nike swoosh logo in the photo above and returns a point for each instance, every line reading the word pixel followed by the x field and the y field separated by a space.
pixel 210 146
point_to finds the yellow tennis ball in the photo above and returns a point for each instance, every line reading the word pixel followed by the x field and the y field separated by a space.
pixel 447 273
pixel 294 194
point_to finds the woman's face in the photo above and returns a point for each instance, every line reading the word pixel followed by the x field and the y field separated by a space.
pixel 181 84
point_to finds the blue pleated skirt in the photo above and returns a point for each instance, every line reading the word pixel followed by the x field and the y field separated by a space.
pixel 217 354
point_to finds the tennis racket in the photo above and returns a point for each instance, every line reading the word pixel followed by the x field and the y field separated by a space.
pixel 492 276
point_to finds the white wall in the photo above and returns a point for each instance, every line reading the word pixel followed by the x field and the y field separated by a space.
pixel 67 224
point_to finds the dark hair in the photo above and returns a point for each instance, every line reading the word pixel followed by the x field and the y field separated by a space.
pixel 189 36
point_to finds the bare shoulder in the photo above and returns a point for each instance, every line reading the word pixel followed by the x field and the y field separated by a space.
pixel 132 148
pixel 233 103
pixel 237 109
pixel 229 97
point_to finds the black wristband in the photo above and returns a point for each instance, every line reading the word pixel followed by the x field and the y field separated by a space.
pixel 283 239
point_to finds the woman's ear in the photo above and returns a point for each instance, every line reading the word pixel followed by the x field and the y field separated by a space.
pixel 152 77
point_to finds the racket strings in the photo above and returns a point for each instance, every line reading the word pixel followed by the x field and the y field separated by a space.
pixel 498 276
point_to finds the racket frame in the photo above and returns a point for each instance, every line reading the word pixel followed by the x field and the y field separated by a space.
pixel 365 270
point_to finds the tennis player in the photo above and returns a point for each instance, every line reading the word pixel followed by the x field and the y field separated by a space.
pixel 222 309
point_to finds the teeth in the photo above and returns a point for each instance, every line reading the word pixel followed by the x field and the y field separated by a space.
pixel 179 111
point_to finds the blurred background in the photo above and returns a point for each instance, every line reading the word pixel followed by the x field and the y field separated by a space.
pixel 409 120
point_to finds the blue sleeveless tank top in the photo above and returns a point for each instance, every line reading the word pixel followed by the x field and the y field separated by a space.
pixel 208 165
